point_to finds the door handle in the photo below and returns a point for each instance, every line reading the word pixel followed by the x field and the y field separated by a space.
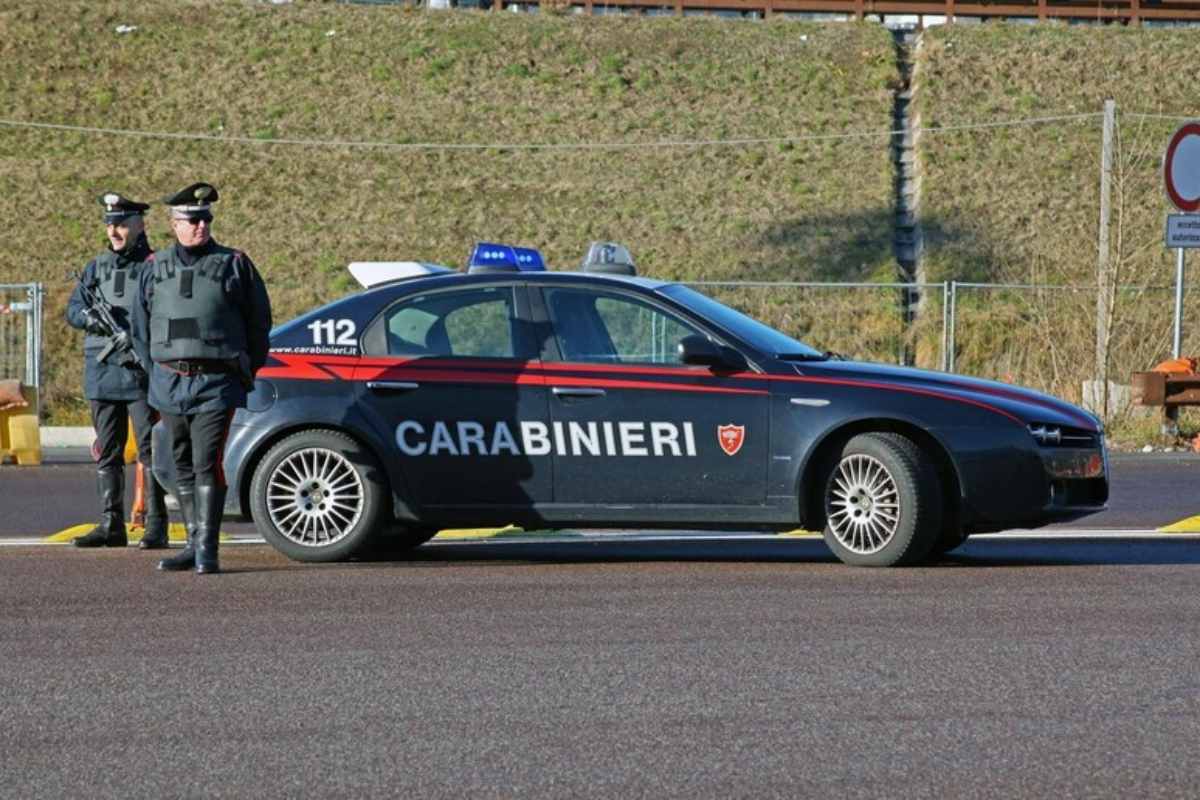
pixel 392 386
pixel 577 391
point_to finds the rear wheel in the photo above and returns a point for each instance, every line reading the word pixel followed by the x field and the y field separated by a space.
pixel 318 496
pixel 883 502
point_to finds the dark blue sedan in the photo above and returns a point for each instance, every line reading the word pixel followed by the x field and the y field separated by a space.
pixel 511 394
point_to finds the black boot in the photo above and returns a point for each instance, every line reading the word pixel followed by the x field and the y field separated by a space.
pixel 210 506
pixel 155 537
pixel 111 530
pixel 186 558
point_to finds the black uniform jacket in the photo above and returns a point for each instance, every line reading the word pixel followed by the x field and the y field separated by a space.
pixel 109 381
pixel 173 393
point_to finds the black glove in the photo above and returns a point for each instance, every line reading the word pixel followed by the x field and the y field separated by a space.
pixel 92 323
pixel 244 372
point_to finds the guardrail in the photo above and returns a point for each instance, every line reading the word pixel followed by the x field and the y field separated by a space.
pixel 1127 11
pixel 1132 12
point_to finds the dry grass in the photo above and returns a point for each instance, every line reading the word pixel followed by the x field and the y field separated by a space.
pixel 1022 204
pixel 1018 204
pixel 818 209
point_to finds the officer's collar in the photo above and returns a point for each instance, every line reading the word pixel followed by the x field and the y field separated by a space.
pixel 137 250
pixel 189 255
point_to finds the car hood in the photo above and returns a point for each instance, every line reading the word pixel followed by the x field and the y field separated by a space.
pixel 1026 404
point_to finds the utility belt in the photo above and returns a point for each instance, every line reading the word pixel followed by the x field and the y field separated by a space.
pixel 199 366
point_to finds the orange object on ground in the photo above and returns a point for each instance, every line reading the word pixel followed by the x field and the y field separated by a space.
pixel 11 395
pixel 1175 365
pixel 137 514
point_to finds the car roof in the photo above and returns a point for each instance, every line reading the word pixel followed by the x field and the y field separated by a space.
pixel 558 276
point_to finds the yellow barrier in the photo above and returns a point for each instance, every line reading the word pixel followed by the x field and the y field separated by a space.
pixel 20 438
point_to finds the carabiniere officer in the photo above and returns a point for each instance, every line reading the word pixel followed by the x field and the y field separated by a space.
pixel 201 320
pixel 116 387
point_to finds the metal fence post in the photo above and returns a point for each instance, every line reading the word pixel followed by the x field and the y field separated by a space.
pixel 39 297
pixel 1105 294
pixel 31 296
pixel 1177 338
pixel 945 325
pixel 953 324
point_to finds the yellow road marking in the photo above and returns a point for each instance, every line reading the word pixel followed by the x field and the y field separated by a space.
pixel 800 533
pixel 479 533
pixel 69 533
pixel 1189 525
pixel 175 532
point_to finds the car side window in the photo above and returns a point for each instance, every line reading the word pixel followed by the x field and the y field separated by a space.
pixel 473 323
pixel 608 328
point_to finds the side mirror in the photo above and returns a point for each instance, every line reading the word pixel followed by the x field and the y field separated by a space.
pixel 699 350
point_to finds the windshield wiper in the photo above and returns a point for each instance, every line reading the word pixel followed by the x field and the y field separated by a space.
pixel 806 356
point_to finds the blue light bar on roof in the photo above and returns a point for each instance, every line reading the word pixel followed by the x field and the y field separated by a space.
pixel 491 257
pixel 528 259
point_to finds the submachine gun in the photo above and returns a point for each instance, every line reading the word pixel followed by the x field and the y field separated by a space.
pixel 119 343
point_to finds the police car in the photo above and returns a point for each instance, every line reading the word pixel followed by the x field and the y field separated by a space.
pixel 508 393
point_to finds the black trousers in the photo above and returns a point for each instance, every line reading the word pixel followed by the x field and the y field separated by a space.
pixel 110 418
pixel 198 446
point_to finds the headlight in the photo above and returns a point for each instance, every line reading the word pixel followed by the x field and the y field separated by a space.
pixel 1074 464
pixel 1051 435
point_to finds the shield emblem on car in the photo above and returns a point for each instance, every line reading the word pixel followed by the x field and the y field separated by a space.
pixel 731 437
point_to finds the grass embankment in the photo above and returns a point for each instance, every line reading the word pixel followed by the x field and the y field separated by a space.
pixel 1022 203
pixel 814 210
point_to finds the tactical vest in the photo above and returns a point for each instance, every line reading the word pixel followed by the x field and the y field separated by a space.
pixel 191 317
pixel 117 279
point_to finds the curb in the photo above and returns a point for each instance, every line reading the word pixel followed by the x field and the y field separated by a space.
pixel 54 436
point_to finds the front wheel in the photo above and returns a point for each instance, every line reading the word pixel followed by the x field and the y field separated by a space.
pixel 883 502
pixel 318 496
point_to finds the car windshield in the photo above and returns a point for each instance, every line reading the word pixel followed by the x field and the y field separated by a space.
pixel 761 337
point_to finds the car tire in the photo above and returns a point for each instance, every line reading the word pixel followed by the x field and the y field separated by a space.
pixel 318 495
pixel 883 502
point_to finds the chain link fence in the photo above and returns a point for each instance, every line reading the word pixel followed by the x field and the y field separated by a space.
pixel 1039 336
pixel 21 333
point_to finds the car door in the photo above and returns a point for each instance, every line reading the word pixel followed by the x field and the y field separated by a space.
pixel 453 373
pixel 633 425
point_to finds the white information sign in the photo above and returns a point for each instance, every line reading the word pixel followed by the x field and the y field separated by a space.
pixel 1183 230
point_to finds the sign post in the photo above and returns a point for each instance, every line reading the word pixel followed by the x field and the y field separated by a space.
pixel 1181 177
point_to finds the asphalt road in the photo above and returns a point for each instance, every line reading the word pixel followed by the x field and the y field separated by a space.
pixel 1147 492
pixel 753 668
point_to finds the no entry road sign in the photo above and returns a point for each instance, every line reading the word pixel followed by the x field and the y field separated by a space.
pixel 1181 168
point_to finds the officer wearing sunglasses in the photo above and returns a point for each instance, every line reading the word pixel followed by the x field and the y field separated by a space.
pixel 201 320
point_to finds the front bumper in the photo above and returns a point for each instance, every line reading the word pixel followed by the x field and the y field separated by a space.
pixel 1078 481
pixel 1057 484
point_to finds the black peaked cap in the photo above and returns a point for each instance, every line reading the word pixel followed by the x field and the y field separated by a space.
pixel 193 201
pixel 118 207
